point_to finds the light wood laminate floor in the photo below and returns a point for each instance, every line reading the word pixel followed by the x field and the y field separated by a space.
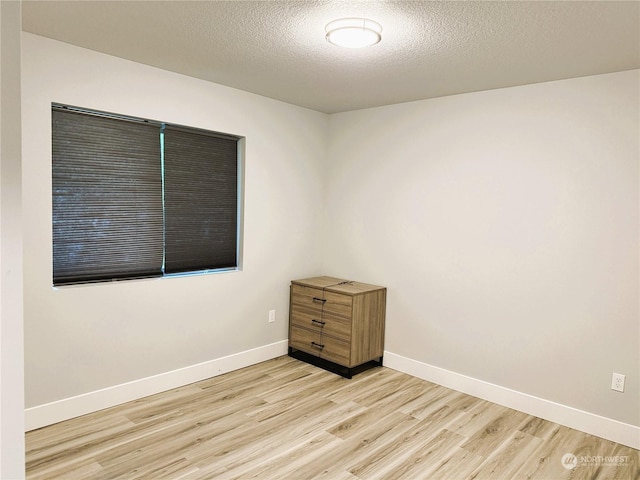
pixel 284 419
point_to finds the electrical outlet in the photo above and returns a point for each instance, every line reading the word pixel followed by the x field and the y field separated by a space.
pixel 617 382
pixel 272 316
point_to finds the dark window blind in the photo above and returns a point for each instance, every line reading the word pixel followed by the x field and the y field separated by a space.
pixel 201 200
pixel 107 198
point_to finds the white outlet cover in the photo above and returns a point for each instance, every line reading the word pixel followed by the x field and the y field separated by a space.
pixel 617 382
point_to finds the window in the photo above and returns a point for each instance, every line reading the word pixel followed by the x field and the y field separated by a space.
pixel 137 198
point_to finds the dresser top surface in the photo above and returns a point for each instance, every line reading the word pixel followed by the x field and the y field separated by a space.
pixel 338 285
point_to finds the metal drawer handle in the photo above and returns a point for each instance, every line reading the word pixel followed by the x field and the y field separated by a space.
pixel 317 345
pixel 316 299
pixel 319 322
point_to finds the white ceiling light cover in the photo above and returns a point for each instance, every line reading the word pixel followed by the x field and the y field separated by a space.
pixel 353 32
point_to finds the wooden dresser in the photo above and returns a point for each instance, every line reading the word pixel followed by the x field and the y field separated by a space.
pixel 337 324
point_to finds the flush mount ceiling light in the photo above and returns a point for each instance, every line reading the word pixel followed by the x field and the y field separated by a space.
pixel 353 32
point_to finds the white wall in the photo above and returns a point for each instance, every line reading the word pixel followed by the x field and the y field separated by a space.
pixel 85 338
pixel 11 312
pixel 505 225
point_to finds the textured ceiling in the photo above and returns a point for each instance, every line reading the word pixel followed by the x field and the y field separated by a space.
pixel 428 49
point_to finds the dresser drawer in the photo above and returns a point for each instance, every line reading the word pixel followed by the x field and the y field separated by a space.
pixel 321 300
pixel 320 345
pixel 332 325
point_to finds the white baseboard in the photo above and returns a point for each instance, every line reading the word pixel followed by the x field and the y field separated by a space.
pixel 67 408
pixel 597 425
pixel 54 412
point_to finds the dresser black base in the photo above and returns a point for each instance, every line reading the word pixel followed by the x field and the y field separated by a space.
pixel 332 367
